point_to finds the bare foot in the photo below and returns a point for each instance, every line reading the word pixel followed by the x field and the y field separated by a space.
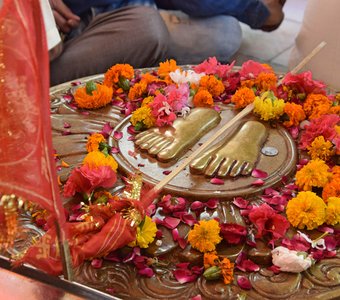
pixel 168 143
pixel 275 14
pixel 234 157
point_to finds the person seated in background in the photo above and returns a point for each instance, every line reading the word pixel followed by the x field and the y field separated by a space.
pixel 204 28
pixel 320 23
pixel 100 33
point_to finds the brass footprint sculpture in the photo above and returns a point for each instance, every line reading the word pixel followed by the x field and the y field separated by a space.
pixel 233 157
pixel 170 142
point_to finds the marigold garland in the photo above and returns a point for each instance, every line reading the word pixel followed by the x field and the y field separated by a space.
pixel 266 81
pixel 116 73
pixel 93 142
pixel 295 114
pixel 205 236
pixel 333 211
pixel 96 159
pixel 316 105
pixel 306 210
pixel 98 98
pixel 243 97
pixel 210 83
pixel 203 99
pixel 137 90
pixel 321 149
pixel 314 174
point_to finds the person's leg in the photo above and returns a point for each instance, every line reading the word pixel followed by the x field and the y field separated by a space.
pixel 134 35
pixel 195 39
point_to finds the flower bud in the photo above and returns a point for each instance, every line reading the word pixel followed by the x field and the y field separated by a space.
pixel 212 273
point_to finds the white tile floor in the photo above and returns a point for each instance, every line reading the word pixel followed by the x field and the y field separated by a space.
pixel 273 47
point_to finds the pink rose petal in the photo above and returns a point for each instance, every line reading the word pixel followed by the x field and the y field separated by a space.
pixel 117 135
pixel 257 173
pixel 166 172
pixel 212 203
pixel 274 269
pixel 196 205
pixel 217 181
pixel 131 130
pixel 107 129
pixel 258 182
pixel 244 282
pixel 67 125
pixel 241 202
pixel 114 150
pixel 175 234
pixel 197 297
pixel 97 263
pixel 132 154
pixel 141 165
pixel 131 138
pixel 148 272
pixel 171 222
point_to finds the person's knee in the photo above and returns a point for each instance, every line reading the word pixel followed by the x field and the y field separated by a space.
pixel 155 33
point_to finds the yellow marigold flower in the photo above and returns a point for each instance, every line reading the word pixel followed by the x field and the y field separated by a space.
pixel 143 115
pixel 306 210
pixel 137 90
pixel 96 98
pixel 210 83
pixel 321 149
pixel 146 233
pixel 333 211
pixel 316 105
pixel 96 159
pixel 93 142
pixel 205 236
pixel 266 81
pixel 331 189
pixel 268 107
pixel 166 67
pixel 243 97
pixel 116 73
pixel 295 113
pixel 314 174
pixel 147 100
pixel 203 99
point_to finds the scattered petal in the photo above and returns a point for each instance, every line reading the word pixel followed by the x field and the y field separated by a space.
pixel 97 263
pixel 131 130
pixel 258 182
pixel 166 172
pixel 171 222
pixel 217 181
pixel 132 154
pixel 148 272
pixel 66 132
pixel 212 203
pixel 257 173
pixel 67 125
pixel 114 150
pixel 244 283
pixel 117 135
pixel 241 202
pixel 197 205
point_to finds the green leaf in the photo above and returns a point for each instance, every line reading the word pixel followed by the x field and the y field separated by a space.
pixel 90 87
pixel 124 83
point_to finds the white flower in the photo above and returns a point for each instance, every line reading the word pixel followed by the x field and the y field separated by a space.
pixel 318 243
pixel 189 76
pixel 291 260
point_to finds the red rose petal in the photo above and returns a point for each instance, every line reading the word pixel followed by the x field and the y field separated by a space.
pixel 118 135
pixel 171 222
pixel 97 263
pixel 148 272
pixel 212 203
pixel 257 173
pixel 196 205
pixel 241 202
pixel 131 130
pixel 244 283
pixel 217 181
pixel 258 182
pixel 166 172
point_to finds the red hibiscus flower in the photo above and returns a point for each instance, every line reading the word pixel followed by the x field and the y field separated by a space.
pixel 267 220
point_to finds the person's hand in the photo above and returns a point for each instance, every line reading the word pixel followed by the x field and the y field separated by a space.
pixel 65 19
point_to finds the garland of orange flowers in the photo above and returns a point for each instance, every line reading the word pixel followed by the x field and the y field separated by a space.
pixel 210 83
pixel 295 113
pixel 203 99
pixel 316 105
pixel 97 98
pixel 243 97
pixel 116 73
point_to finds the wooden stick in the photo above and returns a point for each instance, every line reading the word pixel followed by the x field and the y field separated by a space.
pixel 229 124
pixel 217 134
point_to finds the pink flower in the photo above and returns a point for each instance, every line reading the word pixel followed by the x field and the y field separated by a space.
pixel 212 66
pixel 171 204
pixel 325 126
pixel 162 111
pixel 233 233
pixel 85 180
pixel 251 69
pixel 177 97
pixel 267 220
pixel 304 83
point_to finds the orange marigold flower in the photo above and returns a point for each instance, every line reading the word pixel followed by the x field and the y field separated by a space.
pixel 97 98
pixel 321 149
pixel 148 78
pixel 96 159
pixel 243 97
pixel 227 269
pixel 333 211
pixel 331 189
pixel 205 236
pixel 116 72
pixel 137 90
pixel 306 210
pixel 210 83
pixel 314 174
pixel 203 99
pixel 93 142
pixel 295 113
pixel 334 110
pixel 266 81
pixel 166 67
pixel 336 172
pixel 210 259
pixel 249 83
pixel 316 105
